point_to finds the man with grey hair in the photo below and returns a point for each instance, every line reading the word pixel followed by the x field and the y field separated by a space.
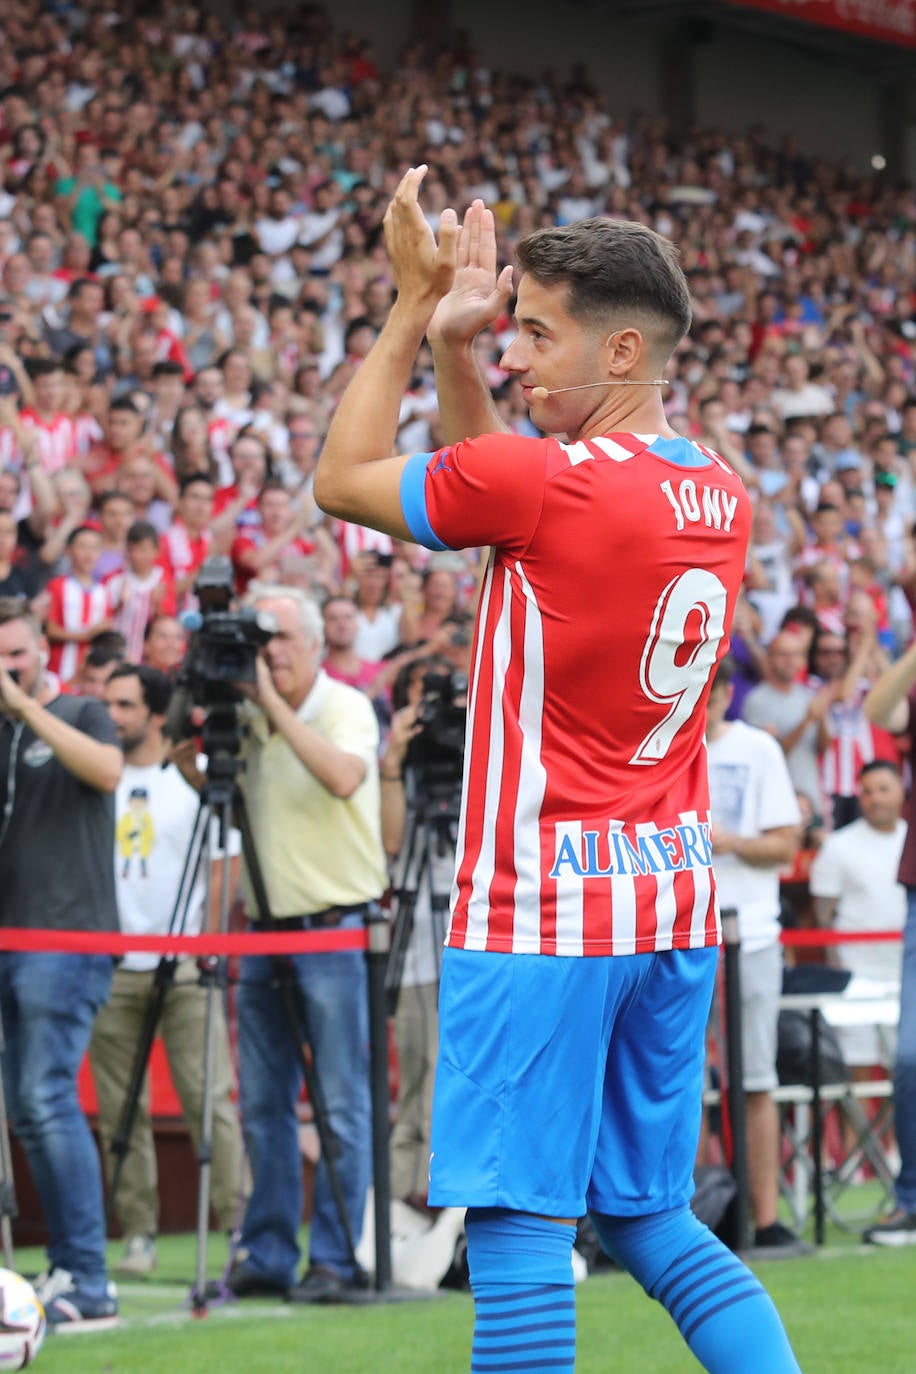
pixel 311 786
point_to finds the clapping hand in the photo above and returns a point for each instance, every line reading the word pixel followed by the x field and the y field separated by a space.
pixel 478 295
pixel 423 267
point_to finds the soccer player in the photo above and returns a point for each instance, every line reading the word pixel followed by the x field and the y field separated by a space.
pixel 581 951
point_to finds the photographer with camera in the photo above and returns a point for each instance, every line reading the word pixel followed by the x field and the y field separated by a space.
pixel 419 816
pixel 310 785
pixel 59 767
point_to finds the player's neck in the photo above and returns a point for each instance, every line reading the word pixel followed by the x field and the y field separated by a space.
pixel 627 410
pixel 716 731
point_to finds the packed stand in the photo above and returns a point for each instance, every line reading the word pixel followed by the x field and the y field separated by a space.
pixel 192 267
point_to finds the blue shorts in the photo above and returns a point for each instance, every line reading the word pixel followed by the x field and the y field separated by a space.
pixel 567 1085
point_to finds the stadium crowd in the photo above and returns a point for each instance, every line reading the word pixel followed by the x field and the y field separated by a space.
pixel 192 267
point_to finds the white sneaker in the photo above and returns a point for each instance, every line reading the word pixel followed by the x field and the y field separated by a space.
pixel 139 1258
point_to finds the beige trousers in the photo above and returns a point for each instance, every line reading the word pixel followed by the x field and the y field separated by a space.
pixel 111 1053
pixel 416 1033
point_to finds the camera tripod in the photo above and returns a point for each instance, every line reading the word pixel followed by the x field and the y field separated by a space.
pixel 222 802
pixel 431 819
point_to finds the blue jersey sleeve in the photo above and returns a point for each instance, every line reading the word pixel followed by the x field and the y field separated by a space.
pixel 482 491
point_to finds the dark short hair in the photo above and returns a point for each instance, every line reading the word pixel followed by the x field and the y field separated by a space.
pixel 107 497
pixel 154 685
pixel 75 534
pixel 141 531
pixel 100 655
pixel 168 367
pixel 193 477
pixel 17 608
pixel 614 269
pixel 874 764
pixel 725 673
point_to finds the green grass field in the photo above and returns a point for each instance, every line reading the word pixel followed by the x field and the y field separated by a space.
pixel 847 1309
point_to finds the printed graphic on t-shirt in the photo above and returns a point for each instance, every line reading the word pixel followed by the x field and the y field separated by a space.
pixel 728 784
pixel 136 834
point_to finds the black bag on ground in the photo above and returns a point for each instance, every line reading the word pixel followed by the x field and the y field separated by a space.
pixel 793 1055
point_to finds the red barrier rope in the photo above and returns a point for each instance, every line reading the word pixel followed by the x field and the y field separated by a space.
pixel 300 941
pixel 246 942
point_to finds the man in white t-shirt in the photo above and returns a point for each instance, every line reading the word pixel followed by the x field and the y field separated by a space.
pixel 155 813
pixel 854 886
pixel 755 832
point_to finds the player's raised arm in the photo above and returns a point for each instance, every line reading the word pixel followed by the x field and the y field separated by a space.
pixel 477 298
pixel 356 477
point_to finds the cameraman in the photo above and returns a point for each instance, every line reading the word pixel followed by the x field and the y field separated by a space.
pixel 311 786
pixel 424 873
pixel 59 767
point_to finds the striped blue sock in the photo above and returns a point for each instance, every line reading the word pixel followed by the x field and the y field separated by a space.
pixel 521 1276
pixel 721 1310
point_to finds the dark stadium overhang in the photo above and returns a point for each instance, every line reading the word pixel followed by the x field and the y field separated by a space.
pixel 887 60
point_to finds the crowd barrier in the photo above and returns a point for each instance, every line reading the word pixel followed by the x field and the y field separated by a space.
pixel 373 939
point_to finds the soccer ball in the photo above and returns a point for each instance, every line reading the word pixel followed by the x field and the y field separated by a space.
pixel 22 1321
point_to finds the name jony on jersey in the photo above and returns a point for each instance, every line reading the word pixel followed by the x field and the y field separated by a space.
pixel 713 506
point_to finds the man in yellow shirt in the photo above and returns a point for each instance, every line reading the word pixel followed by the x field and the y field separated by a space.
pixel 311 787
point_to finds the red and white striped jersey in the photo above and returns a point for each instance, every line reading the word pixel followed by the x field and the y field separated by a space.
pixel 57 440
pixel 352 540
pixel 74 607
pixel 854 741
pixel 182 554
pixel 615 568
pixel 135 600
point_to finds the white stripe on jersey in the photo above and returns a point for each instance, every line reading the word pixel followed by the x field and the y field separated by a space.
pixel 570 898
pixel 483 609
pixel 485 867
pixel 617 451
pixel 577 453
pixel 532 779
pixel 623 904
pixel 702 891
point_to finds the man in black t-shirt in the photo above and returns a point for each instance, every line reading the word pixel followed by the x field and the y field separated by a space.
pixel 59 766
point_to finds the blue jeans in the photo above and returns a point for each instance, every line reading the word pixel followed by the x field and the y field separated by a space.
pixel 333 990
pixel 48 1003
pixel 905 1066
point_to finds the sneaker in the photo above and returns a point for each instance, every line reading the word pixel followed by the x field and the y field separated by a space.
pixel 139 1259
pixel 897 1229
pixel 320 1284
pixel 67 1309
pixel 779 1237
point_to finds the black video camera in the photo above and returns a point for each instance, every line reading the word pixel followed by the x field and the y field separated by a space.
pixel 436 752
pixel 223 653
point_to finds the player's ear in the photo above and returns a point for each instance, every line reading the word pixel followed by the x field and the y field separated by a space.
pixel 625 348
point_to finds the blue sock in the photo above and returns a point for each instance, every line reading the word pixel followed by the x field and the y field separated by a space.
pixel 521 1276
pixel 720 1308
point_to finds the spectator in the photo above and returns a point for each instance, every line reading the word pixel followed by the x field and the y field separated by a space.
pixel 79 607
pixel 419 838
pixel 142 590
pixel 49 1001
pixel 164 645
pixel 855 888
pixel 311 758
pixel 791 712
pixel 890 705
pixel 149 878
pixel 755 831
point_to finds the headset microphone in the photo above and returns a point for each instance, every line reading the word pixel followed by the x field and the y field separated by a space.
pixel 540 393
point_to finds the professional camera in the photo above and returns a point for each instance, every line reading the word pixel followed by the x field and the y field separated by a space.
pixel 223 653
pixel 436 752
